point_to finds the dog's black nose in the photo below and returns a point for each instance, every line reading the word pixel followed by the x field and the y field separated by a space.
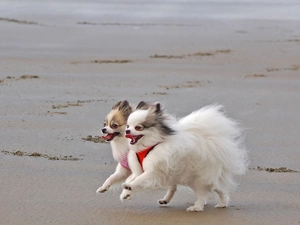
pixel 127 131
pixel 104 131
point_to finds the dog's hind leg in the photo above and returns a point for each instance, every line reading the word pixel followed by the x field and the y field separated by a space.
pixel 224 199
pixel 201 192
pixel 169 195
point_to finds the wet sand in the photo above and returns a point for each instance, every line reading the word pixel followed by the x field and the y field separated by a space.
pixel 62 71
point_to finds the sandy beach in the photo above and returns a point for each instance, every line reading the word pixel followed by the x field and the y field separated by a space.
pixel 64 65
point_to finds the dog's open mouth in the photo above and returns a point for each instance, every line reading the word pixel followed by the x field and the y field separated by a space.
pixel 110 136
pixel 134 138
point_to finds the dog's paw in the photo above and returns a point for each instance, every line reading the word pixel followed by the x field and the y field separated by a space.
pixel 162 201
pixel 102 189
pixel 126 187
pixel 221 205
pixel 125 195
pixel 194 208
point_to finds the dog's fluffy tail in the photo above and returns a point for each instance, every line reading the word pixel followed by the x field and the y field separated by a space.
pixel 220 140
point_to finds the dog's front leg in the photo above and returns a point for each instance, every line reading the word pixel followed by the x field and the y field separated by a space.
pixel 141 182
pixel 135 167
pixel 120 174
pixel 132 177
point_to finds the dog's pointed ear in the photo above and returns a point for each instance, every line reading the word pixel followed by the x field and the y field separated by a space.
pixel 141 105
pixel 124 105
pixel 125 109
pixel 157 108
pixel 117 105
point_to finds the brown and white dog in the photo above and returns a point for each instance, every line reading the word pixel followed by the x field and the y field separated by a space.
pixel 113 132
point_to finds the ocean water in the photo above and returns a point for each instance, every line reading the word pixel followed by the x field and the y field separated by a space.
pixel 187 11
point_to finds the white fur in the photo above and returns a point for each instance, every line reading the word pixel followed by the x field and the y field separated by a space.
pixel 205 154
pixel 119 146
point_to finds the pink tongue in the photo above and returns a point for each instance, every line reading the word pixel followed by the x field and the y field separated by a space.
pixel 129 136
pixel 107 137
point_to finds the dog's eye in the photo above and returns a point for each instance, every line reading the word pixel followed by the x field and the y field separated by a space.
pixel 114 126
pixel 104 124
pixel 139 128
pixel 127 126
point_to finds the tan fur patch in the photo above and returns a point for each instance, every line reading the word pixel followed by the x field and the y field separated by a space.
pixel 118 118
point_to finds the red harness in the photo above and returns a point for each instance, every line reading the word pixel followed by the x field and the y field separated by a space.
pixel 142 154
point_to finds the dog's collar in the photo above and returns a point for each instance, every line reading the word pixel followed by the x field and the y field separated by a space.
pixel 141 155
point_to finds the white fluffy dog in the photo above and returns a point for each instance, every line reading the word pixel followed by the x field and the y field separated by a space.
pixel 203 151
